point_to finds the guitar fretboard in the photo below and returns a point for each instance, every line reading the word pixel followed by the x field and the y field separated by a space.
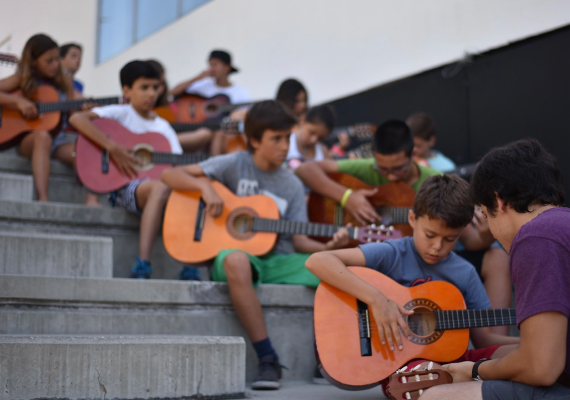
pixel 461 319
pixel 299 228
pixel 225 125
pixel 177 159
pixel 74 104
pixel 398 215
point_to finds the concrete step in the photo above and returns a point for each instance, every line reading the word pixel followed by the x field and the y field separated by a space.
pixel 49 305
pixel 116 224
pixel 121 367
pixel 11 162
pixel 303 390
pixel 61 189
pixel 48 254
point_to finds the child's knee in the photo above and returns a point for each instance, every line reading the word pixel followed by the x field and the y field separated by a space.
pixel 43 138
pixel 237 267
pixel 160 190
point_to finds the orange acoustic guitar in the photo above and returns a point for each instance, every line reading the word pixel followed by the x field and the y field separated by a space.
pixel 13 125
pixel 195 108
pixel 392 202
pixel 350 352
pixel 249 223
pixel 99 174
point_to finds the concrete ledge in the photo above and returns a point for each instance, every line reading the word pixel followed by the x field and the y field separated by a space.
pixel 10 161
pixel 16 187
pixel 30 253
pixel 49 305
pixel 125 367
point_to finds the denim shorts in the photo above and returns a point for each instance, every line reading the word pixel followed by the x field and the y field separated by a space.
pixel 507 390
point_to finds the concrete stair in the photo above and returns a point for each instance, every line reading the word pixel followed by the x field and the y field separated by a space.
pixel 124 367
pixel 33 253
pixel 53 305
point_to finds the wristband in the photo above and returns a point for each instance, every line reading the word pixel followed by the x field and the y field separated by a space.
pixel 345 197
pixel 475 371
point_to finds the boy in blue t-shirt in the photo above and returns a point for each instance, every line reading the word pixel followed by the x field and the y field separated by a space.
pixel 442 208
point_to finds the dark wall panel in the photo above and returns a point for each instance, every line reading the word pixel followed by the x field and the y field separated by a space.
pixel 520 90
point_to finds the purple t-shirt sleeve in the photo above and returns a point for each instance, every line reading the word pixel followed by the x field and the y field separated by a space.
pixel 541 275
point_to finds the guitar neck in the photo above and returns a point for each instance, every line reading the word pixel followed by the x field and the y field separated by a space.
pixel 299 228
pixel 75 104
pixel 227 125
pixel 177 159
pixel 461 319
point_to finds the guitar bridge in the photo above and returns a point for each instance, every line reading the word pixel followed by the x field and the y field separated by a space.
pixel 105 162
pixel 364 329
pixel 200 217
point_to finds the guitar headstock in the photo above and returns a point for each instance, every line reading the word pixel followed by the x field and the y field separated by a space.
pixel 8 58
pixel 232 126
pixel 364 150
pixel 373 233
pixel 362 130
pixel 410 385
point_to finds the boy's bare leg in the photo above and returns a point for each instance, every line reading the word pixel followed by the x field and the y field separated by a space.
pixel 66 154
pixel 244 298
pixel 497 278
pixel 37 145
pixel 151 198
pixel 196 140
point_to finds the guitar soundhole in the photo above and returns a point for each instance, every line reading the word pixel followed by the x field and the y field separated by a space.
pixel 240 223
pixel 211 108
pixel 143 153
pixel 422 322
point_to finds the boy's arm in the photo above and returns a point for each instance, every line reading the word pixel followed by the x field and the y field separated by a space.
pixel 25 106
pixel 331 267
pixel 119 154
pixel 484 337
pixel 181 87
pixel 314 175
pixel 186 178
pixel 538 360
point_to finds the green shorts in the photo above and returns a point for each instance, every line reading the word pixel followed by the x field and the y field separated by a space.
pixel 273 268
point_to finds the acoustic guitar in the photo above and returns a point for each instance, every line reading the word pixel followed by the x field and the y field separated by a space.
pixel 13 125
pixel 392 202
pixel 99 174
pixel 195 108
pixel 350 352
pixel 248 223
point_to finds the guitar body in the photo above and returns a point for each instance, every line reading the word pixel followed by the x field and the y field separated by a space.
pixel 228 231
pixel 325 210
pixel 337 331
pixel 165 112
pixel 13 126
pixel 235 142
pixel 193 108
pixel 99 174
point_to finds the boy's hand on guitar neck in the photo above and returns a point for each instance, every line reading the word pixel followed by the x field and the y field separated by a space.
pixel 124 160
pixel 339 241
pixel 359 206
pixel 388 318
pixel 27 108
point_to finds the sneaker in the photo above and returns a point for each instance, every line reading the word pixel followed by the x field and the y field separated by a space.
pixel 318 377
pixel 189 273
pixel 141 269
pixel 268 374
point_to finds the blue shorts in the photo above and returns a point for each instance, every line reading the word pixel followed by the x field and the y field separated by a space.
pixel 507 390
pixel 126 198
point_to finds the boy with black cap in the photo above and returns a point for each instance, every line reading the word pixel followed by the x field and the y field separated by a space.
pixel 212 82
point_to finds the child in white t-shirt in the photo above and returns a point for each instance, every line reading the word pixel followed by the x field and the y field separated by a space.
pixel 144 197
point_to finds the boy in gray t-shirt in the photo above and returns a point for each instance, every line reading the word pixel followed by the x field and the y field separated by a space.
pixel 268 127
pixel 442 208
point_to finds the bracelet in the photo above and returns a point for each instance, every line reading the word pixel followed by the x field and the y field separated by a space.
pixel 345 197
pixel 475 371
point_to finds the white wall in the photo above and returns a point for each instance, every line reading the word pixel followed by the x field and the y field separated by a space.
pixel 336 47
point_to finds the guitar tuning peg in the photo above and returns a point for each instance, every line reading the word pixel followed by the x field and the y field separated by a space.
pixel 405 367
pixel 373 225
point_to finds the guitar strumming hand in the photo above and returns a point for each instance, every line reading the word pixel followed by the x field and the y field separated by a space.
pixel 124 160
pixel 359 206
pixel 388 318
pixel 27 108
